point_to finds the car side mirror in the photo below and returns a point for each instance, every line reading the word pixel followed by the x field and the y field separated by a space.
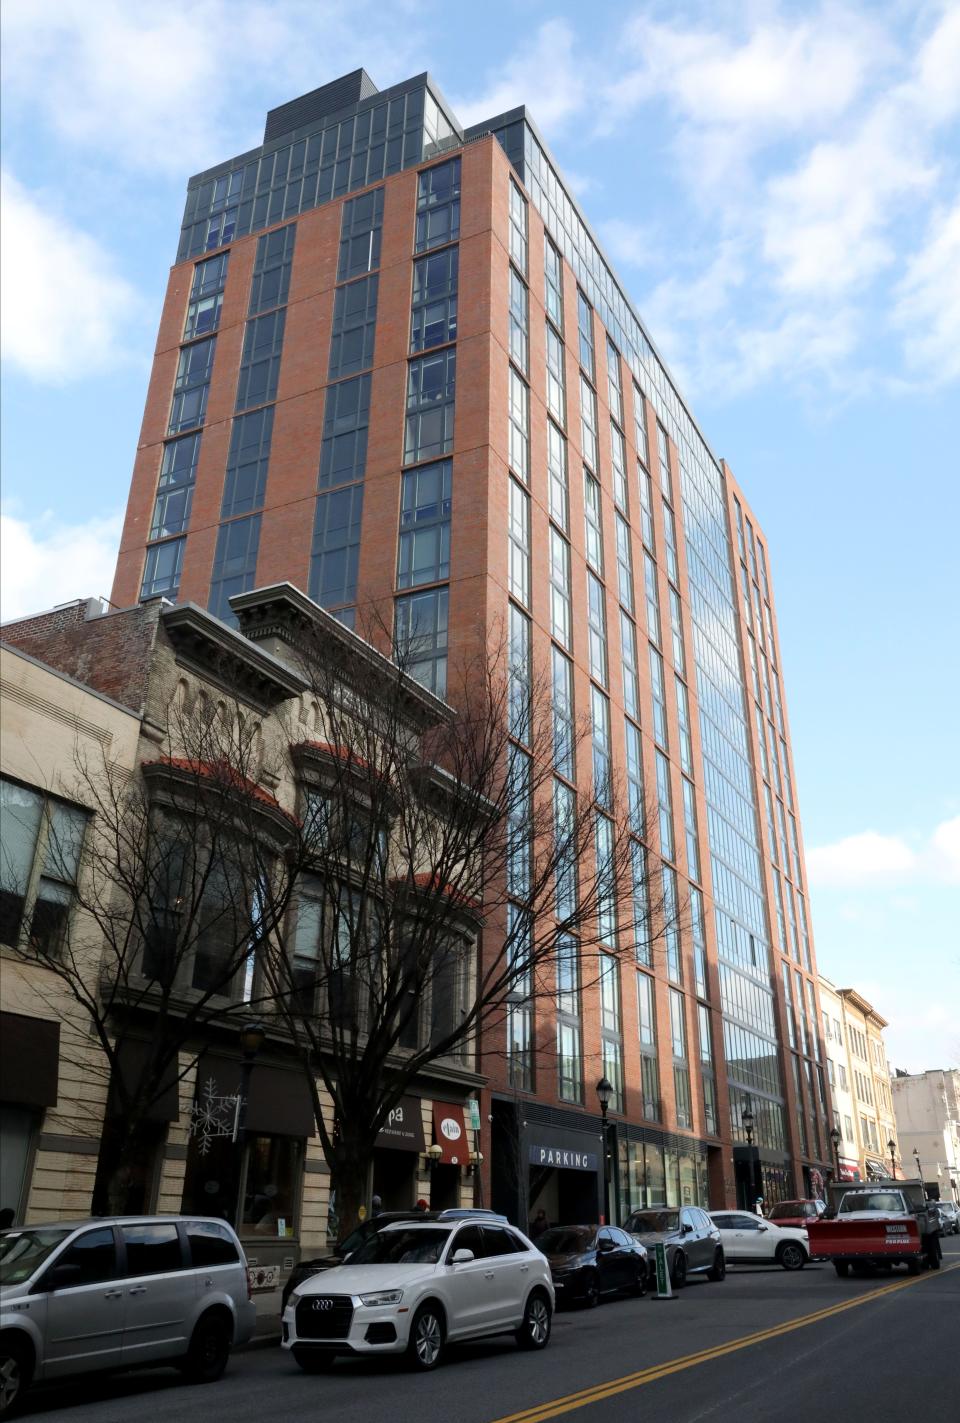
pixel 606 1246
pixel 61 1277
pixel 687 1230
pixel 763 1227
pixel 462 1257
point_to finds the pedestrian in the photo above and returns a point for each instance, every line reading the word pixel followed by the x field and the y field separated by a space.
pixel 376 1206
pixel 539 1224
pixel 758 1208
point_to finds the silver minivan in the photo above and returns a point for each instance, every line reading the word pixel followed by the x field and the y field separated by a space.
pixel 119 1293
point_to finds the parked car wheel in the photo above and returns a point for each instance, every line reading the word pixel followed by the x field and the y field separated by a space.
pixel 591 1291
pixel 718 1270
pixel 209 1350
pixel 16 1368
pixel 913 1267
pixel 842 1267
pixel 313 1362
pixel 534 1331
pixel 427 1338
pixel 678 1270
pixel 639 1286
pixel 791 1256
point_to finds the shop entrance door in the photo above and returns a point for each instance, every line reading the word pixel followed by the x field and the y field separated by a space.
pixel 394 1178
pixel 444 1187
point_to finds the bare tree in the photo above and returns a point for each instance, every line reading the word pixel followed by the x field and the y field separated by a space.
pixel 183 872
pixel 448 879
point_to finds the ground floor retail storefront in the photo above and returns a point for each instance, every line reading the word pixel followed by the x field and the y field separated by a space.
pixel 557 1161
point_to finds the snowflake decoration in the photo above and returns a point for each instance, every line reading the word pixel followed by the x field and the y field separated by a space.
pixel 213 1116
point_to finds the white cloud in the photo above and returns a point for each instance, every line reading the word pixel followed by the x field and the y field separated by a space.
pixel 46 562
pixel 628 242
pixel 927 308
pixel 870 859
pixel 547 75
pixel 63 307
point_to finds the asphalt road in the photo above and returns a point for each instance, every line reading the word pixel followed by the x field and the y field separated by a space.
pixel 882 1348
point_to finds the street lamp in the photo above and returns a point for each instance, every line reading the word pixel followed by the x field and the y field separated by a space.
pixel 748 1119
pixel 605 1091
pixel 252 1038
pixel 916 1157
pixel 892 1148
pixel 835 1142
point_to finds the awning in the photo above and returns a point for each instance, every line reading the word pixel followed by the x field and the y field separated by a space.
pixel 876 1170
pixel 280 1103
pixel 29 1060
pixel 133 1060
pixel 403 1129
pixel 450 1132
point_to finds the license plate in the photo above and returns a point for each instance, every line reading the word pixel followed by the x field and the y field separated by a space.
pixel 896 1230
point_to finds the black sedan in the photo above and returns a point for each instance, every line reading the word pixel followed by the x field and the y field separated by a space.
pixel 590 1261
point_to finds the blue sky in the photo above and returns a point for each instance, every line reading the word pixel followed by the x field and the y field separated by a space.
pixel 779 187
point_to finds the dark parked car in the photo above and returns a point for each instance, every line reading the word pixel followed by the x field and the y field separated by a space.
pixel 796 1213
pixel 371 1226
pixel 692 1240
pixel 589 1261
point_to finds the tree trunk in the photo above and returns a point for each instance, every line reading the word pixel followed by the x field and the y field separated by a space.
pixel 349 1178
pixel 124 1168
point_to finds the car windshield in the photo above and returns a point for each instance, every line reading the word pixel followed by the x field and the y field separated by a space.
pixel 565 1240
pixel 355 1239
pixel 646 1222
pixel 789 1209
pixel 402 1247
pixel 22 1251
pixel 871 1201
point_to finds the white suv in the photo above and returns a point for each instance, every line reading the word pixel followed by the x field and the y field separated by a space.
pixel 415 1287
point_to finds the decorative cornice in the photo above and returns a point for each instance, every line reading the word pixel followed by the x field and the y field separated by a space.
pixel 219 654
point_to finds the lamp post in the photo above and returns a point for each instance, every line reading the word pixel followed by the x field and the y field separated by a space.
pixel 252 1038
pixel 892 1148
pixel 916 1157
pixel 748 1120
pixel 835 1143
pixel 604 1094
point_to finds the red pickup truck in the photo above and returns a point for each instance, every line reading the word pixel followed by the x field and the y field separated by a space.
pixel 879 1223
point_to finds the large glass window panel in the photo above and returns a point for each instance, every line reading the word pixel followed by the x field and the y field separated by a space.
pixel 162 569
pixel 658 689
pixel 593 522
pixel 361 226
pixel 556 377
pixel 336 546
pixel 192 385
pixel 271 269
pixel 519 426
pixel 562 698
pixel 624 563
pixel 438 205
pixel 354 327
pixel 652 598
pixel 557 476
pixel 618 461
pixel 671 923
pixel 630 666
pixel 640 426
pixel 519 543
pixel 565 834
pixel 206 296
pixel 425 504
pixel 614 382
pixel 519 321
pixel 178 473
pixel 260 362
pixel 600 727
pixel 560 618
pixel 553 283
pixel 431 387
pixel 234 564
pixel 433 320
pixel 518 227
pixel 420 637
pixel 588 424
pixel 665 806
pixel 247 461
pixel 585 335
pixel 346 419
pixel 635 794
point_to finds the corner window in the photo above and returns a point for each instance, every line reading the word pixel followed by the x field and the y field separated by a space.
pixel 42 839
pixel 162 569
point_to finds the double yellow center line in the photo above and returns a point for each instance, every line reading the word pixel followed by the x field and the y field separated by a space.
pixel 555 1407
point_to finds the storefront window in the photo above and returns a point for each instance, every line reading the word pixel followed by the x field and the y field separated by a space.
pixel 688 1181
pixel 672 1162
pixel 272 1182
pixel 656 1177
pixel 16 1127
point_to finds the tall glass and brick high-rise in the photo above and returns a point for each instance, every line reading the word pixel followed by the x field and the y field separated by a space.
pixel 394 365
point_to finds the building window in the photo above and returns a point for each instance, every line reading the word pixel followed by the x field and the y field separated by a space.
pixel 659 694
pixel 565 835
pixel 646 509
pixel 640 427
pixel 663 454
pixel 683 726
pixel 690 827
pixel 518 227
pixel 560 621
pixel 665 806
pixel 519 321
pixel 271 269
pixel 553 283
pixel 519 430
pixel 676 632
pixel 336 546
pixel 593 530
pixel 557 476
pixel 569 1054
pixel 519 543
pixel 681 1072
pixel 354 327
pixel 597 628
pixel 588 423
pixel 223 205
pixel 624 563
pixel 647 1027
pixel 161 572
pixel 600 741
pixel 246 477
pixel 431 388
pixel 42 841
pixel 260 362
pixel 671 929
pixel 234 564
pixel 635 803
pixel 434 316
pixel 420 637
pixel 518 689
pixel 519 1009
pixel 425 503
pixel 611 1027
pixel 192 385
pixel 346 417
pixel 670 540
pixel 178 473
pixel 698 933
pixel 206 296
pixel 562 699
pixel 361 226
pixel 653 599
pixel 438 205
pixel 618 460
pixel 630 667
pixel 585 335
pixel 556 377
